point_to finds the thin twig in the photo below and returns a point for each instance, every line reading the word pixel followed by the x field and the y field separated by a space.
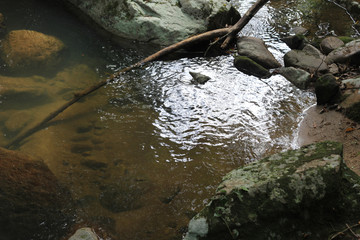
pixel 343 231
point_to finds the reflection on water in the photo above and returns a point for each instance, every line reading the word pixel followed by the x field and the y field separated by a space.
pixel 141 155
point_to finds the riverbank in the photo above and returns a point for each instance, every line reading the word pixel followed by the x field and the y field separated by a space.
pixel 319 125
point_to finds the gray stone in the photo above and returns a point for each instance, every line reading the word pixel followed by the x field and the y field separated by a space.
pixel 309 59
pixel 327 90
pixel 157 21
pixel 255 49
pixel 199 78
pixel 298 77
pixel 84 234
pixel 248 66
pixel 329 44
pixel 350 53
pixel 295 190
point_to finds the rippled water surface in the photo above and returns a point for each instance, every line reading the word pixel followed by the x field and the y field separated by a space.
pixel 146 152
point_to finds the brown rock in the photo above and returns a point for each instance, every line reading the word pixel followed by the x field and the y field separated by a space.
pixel 28 49
pixel 33 205
pixel 329 44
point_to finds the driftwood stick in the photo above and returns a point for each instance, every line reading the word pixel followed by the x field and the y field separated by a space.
pixel 242 22
pixel 232 31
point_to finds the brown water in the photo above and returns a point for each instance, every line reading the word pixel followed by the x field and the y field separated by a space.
pixel 146 152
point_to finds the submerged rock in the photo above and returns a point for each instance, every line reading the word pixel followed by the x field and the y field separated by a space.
pixel 33 203
pixel 125 195
pixel 158 21
pixel 26 49
pixel 255 49
pixel 305 191
pixel 309 59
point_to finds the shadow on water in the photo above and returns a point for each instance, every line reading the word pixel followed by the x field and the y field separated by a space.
pixel 143 154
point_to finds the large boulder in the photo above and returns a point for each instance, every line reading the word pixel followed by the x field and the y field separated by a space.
pixel 255 49
pixel 290 195
pixel 26 49
pixel 33 205
pixel 158 21
pixel 350 53
pixel 309 59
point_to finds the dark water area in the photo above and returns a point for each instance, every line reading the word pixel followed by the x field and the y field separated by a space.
pixel 143 154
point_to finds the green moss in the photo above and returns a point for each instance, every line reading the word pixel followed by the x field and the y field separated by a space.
pixel 353 112
pixel 249 66
pixel 346 39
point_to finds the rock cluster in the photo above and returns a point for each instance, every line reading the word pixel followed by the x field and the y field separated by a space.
pixel 308 191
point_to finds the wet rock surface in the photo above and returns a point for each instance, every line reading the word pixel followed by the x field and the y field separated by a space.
pixel 255 49
pixel 309 59
pixel 350 53
pixel 300 78
pixel 33 203
pixel 297 190
pixel 248 66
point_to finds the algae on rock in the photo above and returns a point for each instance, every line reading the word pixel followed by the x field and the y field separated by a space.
pixel 282 196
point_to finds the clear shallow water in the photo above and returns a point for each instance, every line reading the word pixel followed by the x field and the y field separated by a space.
pixel 152 142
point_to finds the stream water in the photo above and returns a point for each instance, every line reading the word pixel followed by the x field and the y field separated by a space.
pixel 143 154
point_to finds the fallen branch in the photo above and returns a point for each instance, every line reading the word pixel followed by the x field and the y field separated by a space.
pixel 230 33
pixel 348 228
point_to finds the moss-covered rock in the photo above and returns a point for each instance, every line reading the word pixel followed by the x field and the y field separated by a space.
pixel 249 66
pixel 327 90
pixel 284 196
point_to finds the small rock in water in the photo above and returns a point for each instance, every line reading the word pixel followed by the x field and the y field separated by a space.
pixel 84 234
pixel 199 78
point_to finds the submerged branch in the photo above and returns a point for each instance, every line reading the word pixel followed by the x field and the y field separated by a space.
pixel 229 33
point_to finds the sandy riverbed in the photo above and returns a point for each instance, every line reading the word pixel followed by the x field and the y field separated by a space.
pixel 334 126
